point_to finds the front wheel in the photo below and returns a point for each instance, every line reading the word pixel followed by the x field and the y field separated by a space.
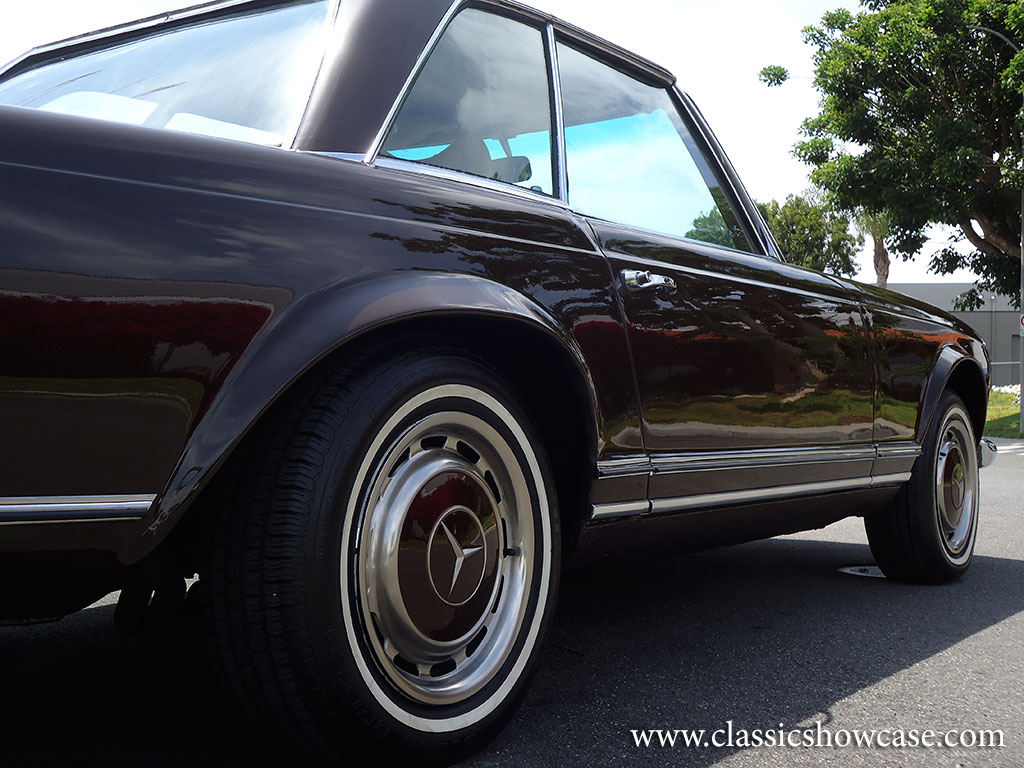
pixel 927 534
pixel 390 562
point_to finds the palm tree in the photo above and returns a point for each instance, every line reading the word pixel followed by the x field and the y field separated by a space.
pixel 877 224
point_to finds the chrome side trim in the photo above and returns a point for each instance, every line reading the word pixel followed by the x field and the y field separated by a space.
pixel 556 95
pixel 619 509
pixel 700 501
pixel 688 462
pixel 987 452
pixel 19 510
pixel 410 166
pixel 878 481
pixel 902 450
pixel 374 148
pixel 631 465
pixel 683 503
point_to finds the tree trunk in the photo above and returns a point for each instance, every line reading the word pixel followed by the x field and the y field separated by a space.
pixel 881 262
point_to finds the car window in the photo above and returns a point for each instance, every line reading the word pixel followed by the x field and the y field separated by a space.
pixel 246 76
pixel 481 104
pixel 631 159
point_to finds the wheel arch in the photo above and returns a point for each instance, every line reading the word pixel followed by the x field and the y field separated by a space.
pixel 488 320
pixel 957 370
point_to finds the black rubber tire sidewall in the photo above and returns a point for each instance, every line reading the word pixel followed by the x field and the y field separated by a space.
pixel 327 631
pixel 905 538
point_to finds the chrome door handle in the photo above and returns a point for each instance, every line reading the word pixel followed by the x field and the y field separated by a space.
pixel 643 280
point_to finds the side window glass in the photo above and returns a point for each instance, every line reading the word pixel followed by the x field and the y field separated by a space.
pixel 481 104
pixel 631 159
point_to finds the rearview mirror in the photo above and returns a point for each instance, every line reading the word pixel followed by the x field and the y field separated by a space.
pixel 512 169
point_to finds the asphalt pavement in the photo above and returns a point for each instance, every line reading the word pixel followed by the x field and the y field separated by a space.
pixel 760 634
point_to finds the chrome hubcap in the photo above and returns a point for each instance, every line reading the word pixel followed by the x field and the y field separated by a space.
pixel 956 484
pixel 445 558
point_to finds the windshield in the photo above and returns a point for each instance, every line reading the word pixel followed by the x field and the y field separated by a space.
pixel 246 76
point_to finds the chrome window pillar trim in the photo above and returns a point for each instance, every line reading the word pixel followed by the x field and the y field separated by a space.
pixel 20 510
pixel 558 145
pixel 424 169
pixel 378 140
pixel 715 157
pixel 659 73
pixel 579 35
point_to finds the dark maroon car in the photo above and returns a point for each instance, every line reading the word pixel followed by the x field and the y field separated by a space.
pixel 373 313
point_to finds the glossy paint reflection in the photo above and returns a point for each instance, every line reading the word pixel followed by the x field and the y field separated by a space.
pixel 907 340
pixel 745 352
pixel 93 383
pixel 167 256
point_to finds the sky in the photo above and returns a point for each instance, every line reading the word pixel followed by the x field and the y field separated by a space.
pixel 715 48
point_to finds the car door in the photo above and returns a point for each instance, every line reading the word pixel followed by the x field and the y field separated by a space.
pixel 754 376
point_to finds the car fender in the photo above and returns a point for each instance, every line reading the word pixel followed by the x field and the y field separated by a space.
pixel 308 332
pixel 950 359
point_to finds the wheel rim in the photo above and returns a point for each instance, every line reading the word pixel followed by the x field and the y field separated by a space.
pixel 956 486
pixel 445 558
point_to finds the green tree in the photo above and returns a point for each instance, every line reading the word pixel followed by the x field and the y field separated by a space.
pixel 812 233
pixel 710 227
pixel 920 117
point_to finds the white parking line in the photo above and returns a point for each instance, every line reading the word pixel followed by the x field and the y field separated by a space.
pixel 1005 446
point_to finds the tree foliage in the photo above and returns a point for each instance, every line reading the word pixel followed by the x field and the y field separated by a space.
pixel 920 117
pixel 710 227
pixel 812 233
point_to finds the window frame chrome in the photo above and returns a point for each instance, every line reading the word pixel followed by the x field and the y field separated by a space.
pixel 716 155
pixel 449 174
pixel 558 138
pixel 552 29
pixel 559 198
pixel 709 148
pixel 370 158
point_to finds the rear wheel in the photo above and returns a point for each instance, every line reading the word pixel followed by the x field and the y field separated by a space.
pixel 386 562
pixel 928 532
